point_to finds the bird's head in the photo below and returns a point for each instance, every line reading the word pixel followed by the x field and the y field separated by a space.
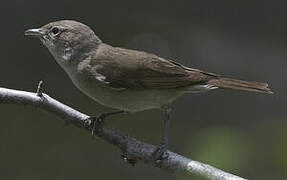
pixel 67 40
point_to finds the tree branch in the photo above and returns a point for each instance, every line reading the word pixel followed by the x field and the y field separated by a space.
pixel 132 148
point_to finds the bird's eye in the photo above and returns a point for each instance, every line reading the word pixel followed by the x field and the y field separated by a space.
pixel 55 30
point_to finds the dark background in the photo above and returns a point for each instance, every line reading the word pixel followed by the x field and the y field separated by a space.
pixel 240 132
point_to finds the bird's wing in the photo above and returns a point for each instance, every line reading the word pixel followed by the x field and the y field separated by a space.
pixel 130 69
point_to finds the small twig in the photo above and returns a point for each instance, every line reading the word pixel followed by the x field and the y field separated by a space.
pixel 39 89
pixel 133 149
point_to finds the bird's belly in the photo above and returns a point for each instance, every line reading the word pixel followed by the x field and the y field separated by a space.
pixel 128 100
pixel 132 100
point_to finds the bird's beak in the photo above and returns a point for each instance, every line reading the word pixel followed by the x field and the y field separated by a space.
pixel 35 32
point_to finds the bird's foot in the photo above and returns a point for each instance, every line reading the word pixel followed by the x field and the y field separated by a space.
pixel 160 154
pixel 94 122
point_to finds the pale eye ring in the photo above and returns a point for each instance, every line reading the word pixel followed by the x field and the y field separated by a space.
pixel 55 30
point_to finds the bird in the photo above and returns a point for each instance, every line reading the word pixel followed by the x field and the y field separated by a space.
pixel 128 80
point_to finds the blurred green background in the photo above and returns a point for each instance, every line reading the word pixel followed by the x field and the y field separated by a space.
pixel 240 132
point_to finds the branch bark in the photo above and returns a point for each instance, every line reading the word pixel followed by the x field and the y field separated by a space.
pixel 134 149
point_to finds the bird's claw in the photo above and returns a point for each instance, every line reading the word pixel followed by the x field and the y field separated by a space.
pixel 160 154
pixel 94 123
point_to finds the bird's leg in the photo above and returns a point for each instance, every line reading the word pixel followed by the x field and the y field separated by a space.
pixel 95 122
pixel 158 154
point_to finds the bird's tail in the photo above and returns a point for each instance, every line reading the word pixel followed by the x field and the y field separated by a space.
pixel 240 85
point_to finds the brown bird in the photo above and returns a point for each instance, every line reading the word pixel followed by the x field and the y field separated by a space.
pixel 124 79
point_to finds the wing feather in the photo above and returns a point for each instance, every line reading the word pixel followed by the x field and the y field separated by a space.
pixel 123 68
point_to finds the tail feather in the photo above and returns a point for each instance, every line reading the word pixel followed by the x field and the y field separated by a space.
pixel 240 85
